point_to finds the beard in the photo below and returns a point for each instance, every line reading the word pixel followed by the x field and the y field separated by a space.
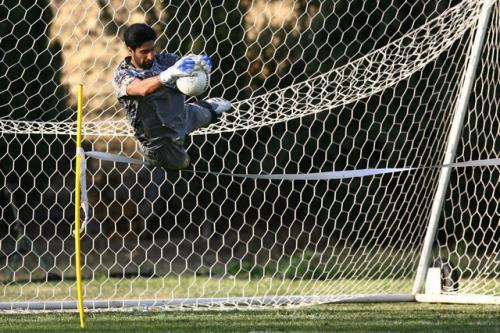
pixel 146 64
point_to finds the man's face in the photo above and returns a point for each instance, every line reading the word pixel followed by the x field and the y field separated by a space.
pixel 142 56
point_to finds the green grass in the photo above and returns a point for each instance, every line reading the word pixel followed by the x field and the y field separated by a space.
pixel 194 286
pixel 202 286
pixel 383 317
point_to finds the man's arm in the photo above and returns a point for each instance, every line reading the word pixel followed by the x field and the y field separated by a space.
pixel 183 67
pixel 144 87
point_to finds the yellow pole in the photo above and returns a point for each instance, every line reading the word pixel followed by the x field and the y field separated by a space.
pixel 77 203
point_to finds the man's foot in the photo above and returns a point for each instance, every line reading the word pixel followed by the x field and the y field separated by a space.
pixel 219 105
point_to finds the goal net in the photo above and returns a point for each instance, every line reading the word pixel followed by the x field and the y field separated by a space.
pixel 317 86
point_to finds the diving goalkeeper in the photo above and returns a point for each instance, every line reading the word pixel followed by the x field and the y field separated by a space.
pixel 145 85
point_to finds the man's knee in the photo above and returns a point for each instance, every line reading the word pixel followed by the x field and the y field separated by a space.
pixel 181 163
pixel 169 158
pixel 170 164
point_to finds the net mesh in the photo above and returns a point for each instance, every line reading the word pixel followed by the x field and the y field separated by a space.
pixel 469 234
pixel 316 86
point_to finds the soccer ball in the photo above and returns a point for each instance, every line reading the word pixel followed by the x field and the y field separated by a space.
pixel 193 85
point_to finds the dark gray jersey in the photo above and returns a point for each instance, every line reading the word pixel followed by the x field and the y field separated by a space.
pixel 160 120
pixel 126 73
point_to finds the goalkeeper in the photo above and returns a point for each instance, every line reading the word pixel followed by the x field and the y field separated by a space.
pixel 145 84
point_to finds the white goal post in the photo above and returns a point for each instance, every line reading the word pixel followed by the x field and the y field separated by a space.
pixel 399 98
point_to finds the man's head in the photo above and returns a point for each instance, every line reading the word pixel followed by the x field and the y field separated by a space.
pixel 140 41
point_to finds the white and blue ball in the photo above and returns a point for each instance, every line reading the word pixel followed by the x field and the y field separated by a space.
pixel 193 85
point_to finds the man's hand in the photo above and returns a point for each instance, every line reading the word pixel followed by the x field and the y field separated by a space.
pixel 183 67
pixel 205 62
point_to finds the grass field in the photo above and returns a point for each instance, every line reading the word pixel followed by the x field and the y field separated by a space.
pixel 194 286
pixel 376 317
pixel 387 317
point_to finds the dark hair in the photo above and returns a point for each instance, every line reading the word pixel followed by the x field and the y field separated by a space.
pixel 137 34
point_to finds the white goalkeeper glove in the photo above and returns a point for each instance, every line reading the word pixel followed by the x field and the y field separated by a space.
pixel 203 62
pixel 183 67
